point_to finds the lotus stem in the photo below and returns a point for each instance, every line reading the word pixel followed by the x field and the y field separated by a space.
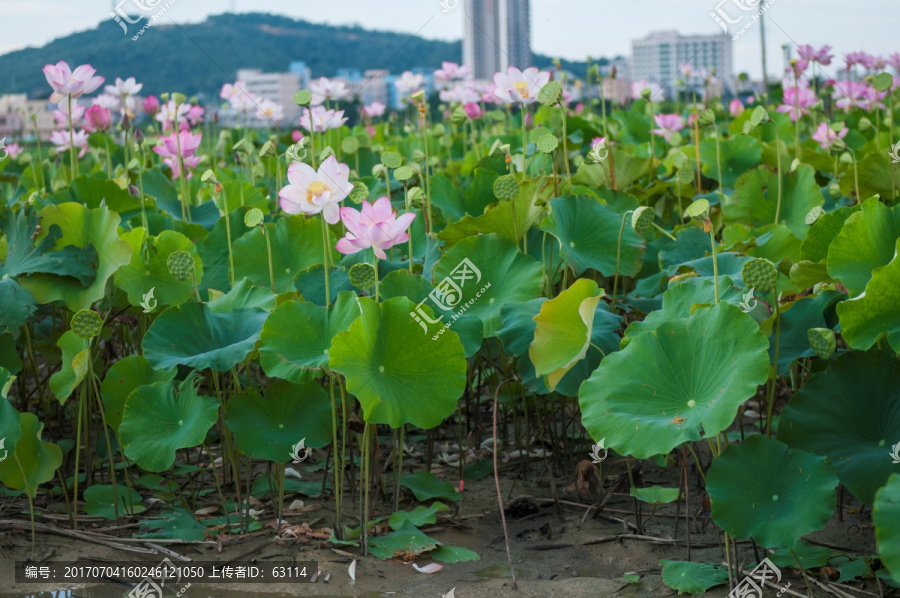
pixel 780 183
pixel 774 380
pixel 664 231
pixel 73 159
pixel 364 520
pixel 30 499
pixel 325 246
pixel 619 255
pixel 712 240
pixel 269 252
pixel 338 464
pixel 228 235
pixel 497 485
pixel 77 456
pixel 565 148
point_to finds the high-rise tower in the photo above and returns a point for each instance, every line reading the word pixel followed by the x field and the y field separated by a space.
pixel 498 35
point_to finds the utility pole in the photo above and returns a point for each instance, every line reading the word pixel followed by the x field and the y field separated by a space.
pixel 762 35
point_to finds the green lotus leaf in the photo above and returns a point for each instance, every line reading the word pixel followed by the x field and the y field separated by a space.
pixel 38 460
pixel 232 198
pixel 243 295
pixel 680 301
pixel 16 305
pixel 75 355
pixel 390 365
pixel 124 376
pixel 518 332
pixel 296 337
pixel 10 422
pixel 161 418
pixel 193 335
pixel 655 495
pixel 874 176
pixel 886 517
pixel 681 382
pixel 693 578
pixel 213 250
pixel 867 317
pixel 425 486
pixel 407 540
pixel 829 416
pixel 866 242
pixel 736 154
pixel 81 227
pixel 489 265
pixel 100 501
pixel 296 244
pixel 628 169
pixel 511 218
pixel 809 555
pixel 588 235
pixel 268 428
pixel 796 320
pixel 91 191
pixel 311 284
pixel 138 277
pixel 419 516
pixel 764 490
pixel 730 265
pixel 756 196
pixel 563 332
pixel 174 523
pixel 814 247
pixel 403 283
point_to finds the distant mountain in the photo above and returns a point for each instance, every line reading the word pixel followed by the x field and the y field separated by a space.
pixel 200 57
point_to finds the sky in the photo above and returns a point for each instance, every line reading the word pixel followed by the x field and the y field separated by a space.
pixel 570 29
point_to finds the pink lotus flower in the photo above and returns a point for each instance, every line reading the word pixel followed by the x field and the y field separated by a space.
pixel 183 145
pixel 376 226
pixel 373 110
pixel 821 56
pixel 371 131
pixel 310 192
pixel 688 70
pixel 128 87
pixel 473 110
pixel 851 94
pixel 668 124
pixel 97 118
pixel 296 136
pixel 825 135
pixel 323 119
pixel 461 93
pixel 854 58
pixel 110 102
pixel 520 86
pixel 656 92
pixel 194 116
pixel 269 110
pixel 450 71
pixel 66 82
pixel 61 114
pixel 797 100
pixel 14 150
pixel 169 112
pixel 736 107
pixel 325 89
pixel 61 139
pixel 151 105
pixel 894 61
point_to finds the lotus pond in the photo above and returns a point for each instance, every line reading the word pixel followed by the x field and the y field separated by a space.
pixel 490 341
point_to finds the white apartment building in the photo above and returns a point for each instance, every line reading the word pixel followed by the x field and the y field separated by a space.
pixel 661 55
pixel 278 87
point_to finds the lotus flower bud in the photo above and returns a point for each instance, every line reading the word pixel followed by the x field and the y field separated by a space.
pixel 834 191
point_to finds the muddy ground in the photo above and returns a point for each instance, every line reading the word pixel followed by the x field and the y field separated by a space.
pixel 556 550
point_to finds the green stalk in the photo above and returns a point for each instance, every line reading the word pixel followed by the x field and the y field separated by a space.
pixel 338 464
pixel 325 246
pixel 775 378
pixel 780 184
pixel 565 149
pixel 73 162
pixel 269 251
pixel 364 520
pixel 712 240
pixel 619 256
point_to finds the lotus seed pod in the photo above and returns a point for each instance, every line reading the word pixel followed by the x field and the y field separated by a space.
pixel 834 191
pixel 641 219
pixel 760 274
pixel 813 215
pixel 548 144
pixel 391 159
pixel 252 218
pixel 303 97
pixel 698 209
pixel 822 341
pixel 864 124
pixel 404 173
pixel 181 265
pixel 550 93
pixel 359 193
pixel 350 145
pixel 686 173
pixel 416 195
pixel 86 323
pixel 506 187
pixel 459 116
pixel 362 276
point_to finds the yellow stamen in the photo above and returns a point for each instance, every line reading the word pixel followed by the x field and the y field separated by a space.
pixel 522 88
pixel 316 188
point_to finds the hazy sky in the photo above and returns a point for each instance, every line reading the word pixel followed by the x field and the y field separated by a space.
pixel 566 28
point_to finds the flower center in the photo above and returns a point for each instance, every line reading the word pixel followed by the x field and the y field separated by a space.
pixel 316 188
pixel 522 88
